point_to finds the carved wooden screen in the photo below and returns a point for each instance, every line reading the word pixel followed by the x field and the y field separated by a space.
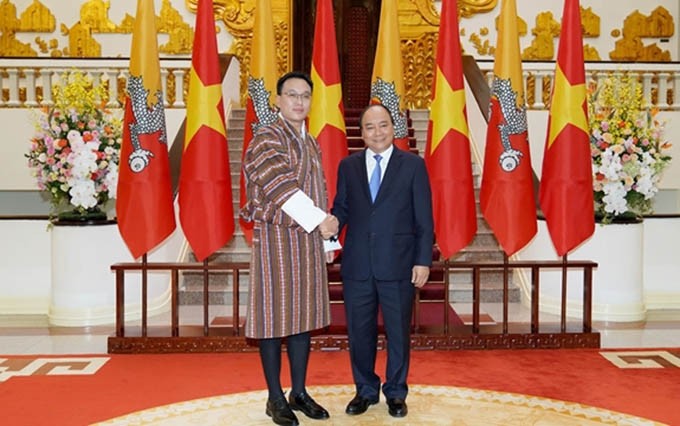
pixel 357 60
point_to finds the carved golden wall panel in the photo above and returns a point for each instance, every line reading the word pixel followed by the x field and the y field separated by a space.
pixel 547 28
pixel 37 18
pixel 419 61
pixel 419 22
pixel 658 24
pixel 542 46
pixel 418 28
pixel 94 19
pixel 483 47
pixel 590 22
pixel 590 53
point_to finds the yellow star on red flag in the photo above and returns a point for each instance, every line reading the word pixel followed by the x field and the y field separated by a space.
pixel 204 100
pixel 325 105
pixel 567 106
pixel 447 111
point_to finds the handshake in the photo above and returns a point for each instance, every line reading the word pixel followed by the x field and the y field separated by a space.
pixel 329 227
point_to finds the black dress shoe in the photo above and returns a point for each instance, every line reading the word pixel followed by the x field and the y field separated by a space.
pixel 397 407
pixel 281 413
pixel 303 402
pixel 359 405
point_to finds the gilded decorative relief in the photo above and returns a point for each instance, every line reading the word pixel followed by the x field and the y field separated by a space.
pixel 590 22
pixel 637 26
pixel 547 28
pixel 95 14
pixel 482 46
pixel 94 18
pixel 419 21
pixel 37 18
pixel 542 46
pixel 418 28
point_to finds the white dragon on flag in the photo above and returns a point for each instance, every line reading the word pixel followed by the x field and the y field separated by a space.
pixel 514 122
pixel 146 121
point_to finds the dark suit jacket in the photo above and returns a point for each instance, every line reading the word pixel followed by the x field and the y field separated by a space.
pixel 388 237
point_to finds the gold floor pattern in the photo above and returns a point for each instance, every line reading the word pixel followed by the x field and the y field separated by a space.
pixel 428 405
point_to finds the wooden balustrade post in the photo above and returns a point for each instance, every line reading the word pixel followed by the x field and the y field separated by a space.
pixel 120 302
pixel 563 301
pixel 535 274
pixel 587 299
pixel 206 297
pixel 174 320
pixel 446 297
pixel 475 299
pixel 235 309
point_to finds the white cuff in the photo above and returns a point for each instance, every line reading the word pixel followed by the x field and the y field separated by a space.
pixel 331 245
pixel 303 211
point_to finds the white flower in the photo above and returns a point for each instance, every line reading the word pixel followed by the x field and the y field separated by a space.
pixel 111 180
pixel 627 147
pixel 66 155
pixel 82 193
pixel 615 198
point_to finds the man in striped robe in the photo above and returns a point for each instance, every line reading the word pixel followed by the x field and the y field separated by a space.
pixel 288 297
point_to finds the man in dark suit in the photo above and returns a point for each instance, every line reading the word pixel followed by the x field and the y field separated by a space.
pixel 384 201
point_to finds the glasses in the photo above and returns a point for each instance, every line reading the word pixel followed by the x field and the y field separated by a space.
pixel 302 97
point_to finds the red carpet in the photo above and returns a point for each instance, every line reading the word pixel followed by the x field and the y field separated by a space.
pixel 431 316
pixel 128 383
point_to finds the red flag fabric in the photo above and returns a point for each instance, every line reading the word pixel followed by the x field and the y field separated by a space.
pixel 262 78
pixel 327 113
pixel 566 189
pixel 507 195
pixel 205 203
pixel 387 82
pixel 144 205
pixel 447 152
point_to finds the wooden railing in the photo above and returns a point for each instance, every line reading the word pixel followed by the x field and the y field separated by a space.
pixel 223 338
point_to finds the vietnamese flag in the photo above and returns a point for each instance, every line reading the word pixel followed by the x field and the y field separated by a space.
pixel 262 77
pixel 447 152
pixel 327 113
pixel 566 189
pixel 387 82
pixel 507 193
pixel 205 204
pixel 144 205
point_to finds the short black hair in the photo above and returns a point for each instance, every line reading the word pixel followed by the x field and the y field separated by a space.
pixel 363 111
pixel 293 74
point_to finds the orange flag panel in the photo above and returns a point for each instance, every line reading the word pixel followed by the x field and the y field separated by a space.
pixel 387 82
pixel 262 76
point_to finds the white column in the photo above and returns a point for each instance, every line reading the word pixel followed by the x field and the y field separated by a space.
pixel 617 280
pixel 83 285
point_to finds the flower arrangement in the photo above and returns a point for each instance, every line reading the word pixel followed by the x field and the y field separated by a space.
pixel 628 149
pixel 74 153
